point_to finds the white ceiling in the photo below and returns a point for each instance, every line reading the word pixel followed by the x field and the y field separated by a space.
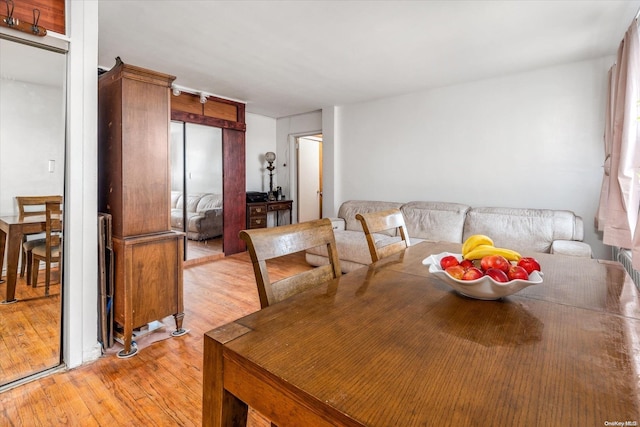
pixel 289 57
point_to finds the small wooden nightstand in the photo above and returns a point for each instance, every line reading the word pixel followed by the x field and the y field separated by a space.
pixel 257 212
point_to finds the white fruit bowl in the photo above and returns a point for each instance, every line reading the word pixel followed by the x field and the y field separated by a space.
pixel 484 288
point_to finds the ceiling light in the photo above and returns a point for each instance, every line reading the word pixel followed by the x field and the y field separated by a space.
pixel 203 98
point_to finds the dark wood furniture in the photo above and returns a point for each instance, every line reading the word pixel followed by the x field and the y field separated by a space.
pixel 390 344
pixel 265 244
pixel 381 222
pixel 12 230
pixel 258 212
pixel 50 251
pixel 230 117
pixel 32 206
pixel 134 188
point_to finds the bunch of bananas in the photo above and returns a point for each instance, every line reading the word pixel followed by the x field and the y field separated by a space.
pixel 478 246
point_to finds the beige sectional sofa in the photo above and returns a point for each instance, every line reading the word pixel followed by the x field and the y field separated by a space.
pixel 524 230
pixel 204 214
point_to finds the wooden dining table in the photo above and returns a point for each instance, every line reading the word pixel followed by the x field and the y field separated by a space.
pixel 12 229
pixel 392 345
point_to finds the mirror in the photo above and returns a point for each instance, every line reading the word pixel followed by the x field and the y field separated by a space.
pixel 32 153
pixel 196 170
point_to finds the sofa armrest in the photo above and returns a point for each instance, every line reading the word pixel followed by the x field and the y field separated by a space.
pixel 571 247
pixel 338 224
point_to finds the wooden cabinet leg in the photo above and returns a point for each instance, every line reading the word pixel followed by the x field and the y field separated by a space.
pixel 179 330
pixel 130 348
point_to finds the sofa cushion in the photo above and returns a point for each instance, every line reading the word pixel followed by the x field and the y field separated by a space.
pixel 435 221
pixel 571 247
pixel 521 229
pixel 349 209
pixel 208 202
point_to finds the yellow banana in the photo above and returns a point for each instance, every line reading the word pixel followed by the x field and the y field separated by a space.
pixel 483 250
pixel 474 241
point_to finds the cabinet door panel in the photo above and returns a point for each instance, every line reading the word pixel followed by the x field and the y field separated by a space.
pixel 149 278
pixel 145 154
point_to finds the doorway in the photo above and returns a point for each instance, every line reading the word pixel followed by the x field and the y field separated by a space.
pixel 196 189
pixel 309 177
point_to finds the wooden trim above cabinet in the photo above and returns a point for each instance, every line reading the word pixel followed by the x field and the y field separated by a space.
pixel 217 112
pixel 183 116
pixel 186 103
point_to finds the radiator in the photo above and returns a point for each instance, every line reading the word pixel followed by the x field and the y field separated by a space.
pixel 623 256
pixel 105 281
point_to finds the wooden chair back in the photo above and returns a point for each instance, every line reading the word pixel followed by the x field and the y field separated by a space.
pixel 53 226
pixel 31 206
pixel 51 251
pixel 267 243
pixel 34 205
pixel 377 222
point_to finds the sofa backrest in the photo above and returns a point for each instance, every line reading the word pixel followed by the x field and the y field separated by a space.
pixel 524 229
pixel 435 221
pixel 209 202
pixel 350 208
pixel 197 202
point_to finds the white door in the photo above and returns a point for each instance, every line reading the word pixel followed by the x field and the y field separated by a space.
pixel 309 177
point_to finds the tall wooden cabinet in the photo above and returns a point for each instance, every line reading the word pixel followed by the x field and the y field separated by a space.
pixel 134 187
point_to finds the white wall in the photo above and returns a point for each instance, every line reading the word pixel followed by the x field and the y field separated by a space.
pixel 203 158
pixel 527 140
pixel 260 138
pixel 32 133
pixel 80 331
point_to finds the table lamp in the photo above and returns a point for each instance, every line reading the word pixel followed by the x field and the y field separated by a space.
pixel 270 157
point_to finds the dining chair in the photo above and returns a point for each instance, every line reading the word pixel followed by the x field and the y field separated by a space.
pixel 376 225
pixel 32 206
pixel 51 251
pixel 265 244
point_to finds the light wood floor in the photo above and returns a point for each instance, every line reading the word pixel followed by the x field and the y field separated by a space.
pixel 162 384
pixel 199 252
pixel 29 329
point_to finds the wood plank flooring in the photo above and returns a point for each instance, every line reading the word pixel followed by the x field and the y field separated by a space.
pixel 29 329
pixel 162 384
pixel 199 252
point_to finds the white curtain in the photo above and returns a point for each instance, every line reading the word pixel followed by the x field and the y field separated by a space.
pixel 620 198
pixel 608 142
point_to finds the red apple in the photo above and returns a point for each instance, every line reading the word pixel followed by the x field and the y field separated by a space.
pixel 455 271
pixel 517 272
pixel 497 275
pixel 495 261
pixel 466 263
pixel 448 261
pixel 472 273
pixel 529 264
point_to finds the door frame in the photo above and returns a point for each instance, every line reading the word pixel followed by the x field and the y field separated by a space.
pixel 317 206
pixel 293 169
